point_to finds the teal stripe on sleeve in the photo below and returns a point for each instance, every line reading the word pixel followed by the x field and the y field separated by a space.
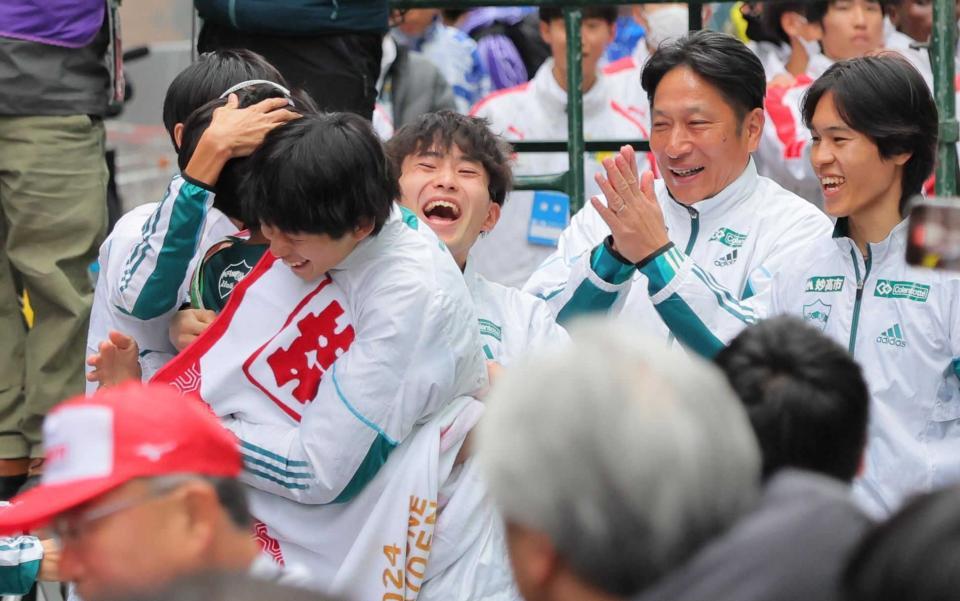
pixel 661 270
pixel 18 579
pixel 688 327
pixel 276 480
pixel 609 268
pixel 179 245
pixel 279 458
pixel 376 457
pixel 355 412
pixel 586 299
pixel 280 472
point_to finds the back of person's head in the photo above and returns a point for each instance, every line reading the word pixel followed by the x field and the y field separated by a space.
pixel 804 394
pixel 320 174
pixel 885 98
pixel 913 556
pixel 441 131
pixel 626 456
pixel 720 59
pixel 607 13
pixel 227 198
pixel 208 77
pixel 225 586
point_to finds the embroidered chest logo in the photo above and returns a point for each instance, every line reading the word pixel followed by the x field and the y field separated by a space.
pixel 728 237
pixel 817 313
pixel 830 283
pixel 290 366
pixel 906 290
pixel 231 276
pixel 892 336
pixel 311 353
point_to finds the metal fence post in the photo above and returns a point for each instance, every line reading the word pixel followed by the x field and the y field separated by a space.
pixel 943 42
pixel 572 18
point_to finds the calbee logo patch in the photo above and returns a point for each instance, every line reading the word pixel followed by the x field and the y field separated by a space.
pixel 728 237
pixel 488 328
pixel 897 289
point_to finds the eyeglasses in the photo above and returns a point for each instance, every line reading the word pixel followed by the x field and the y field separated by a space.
pixel 72 528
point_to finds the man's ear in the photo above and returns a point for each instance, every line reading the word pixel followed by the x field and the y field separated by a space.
pixel 204 512
pixel 753 128
pixel 545 32
pixel 362 231
pixel 178 135
pixel 793 24
pixel 493 216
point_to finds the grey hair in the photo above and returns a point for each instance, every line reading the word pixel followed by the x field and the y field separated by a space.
pixel 629 456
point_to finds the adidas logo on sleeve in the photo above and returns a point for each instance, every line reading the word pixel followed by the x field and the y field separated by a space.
pixel 893 336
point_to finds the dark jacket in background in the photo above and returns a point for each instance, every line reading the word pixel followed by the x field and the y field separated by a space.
pixel 792 547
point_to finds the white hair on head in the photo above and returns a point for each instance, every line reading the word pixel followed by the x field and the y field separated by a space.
pixel 629 456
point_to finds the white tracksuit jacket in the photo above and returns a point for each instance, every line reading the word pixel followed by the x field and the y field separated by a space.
pixel 512 323
pixel 145 268
pixel 750 230
pixel 901 324
pixel 537 111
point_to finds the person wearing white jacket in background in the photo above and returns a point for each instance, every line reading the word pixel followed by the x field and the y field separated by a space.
pixel 706 91
pixel 613 108
pixel 874 127
pixel 846 29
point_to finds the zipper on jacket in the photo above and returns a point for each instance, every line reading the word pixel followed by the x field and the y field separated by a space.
pixel 694 230
pixel 861 281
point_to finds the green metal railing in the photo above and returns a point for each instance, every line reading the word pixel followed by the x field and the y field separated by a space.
pixel 942 46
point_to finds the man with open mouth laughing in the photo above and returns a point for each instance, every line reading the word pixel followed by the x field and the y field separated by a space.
pixel 454 176
pixel 706 95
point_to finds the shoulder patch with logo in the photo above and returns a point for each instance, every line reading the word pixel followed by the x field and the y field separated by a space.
pixel 817 313
pixel 488 328
pixel 896 289
pixel 728 237
pixel 828 283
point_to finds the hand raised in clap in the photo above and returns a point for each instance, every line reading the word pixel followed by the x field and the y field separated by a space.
pixel 632 212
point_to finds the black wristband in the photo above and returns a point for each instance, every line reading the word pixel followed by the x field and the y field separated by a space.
pixel 608 244
pixel 654 255
pixel 198 183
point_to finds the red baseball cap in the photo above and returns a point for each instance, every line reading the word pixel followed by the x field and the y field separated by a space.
pixel 94 444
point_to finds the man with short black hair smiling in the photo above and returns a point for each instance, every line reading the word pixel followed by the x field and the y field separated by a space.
pixel 706 95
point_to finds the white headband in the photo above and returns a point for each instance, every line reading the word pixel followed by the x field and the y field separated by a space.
pixel 254 82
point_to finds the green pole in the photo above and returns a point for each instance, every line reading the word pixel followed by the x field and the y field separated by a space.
pixel 572 18
pixel 943 44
